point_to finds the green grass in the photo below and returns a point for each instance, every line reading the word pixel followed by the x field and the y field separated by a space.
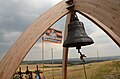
pixel 101 70
pixel 110 70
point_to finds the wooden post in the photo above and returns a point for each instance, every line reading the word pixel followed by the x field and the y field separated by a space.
pixel 65 50
pixel 105 16
pixel 43 54
pixel 25 42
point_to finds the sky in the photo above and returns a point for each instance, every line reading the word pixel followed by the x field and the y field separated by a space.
pixel 17 15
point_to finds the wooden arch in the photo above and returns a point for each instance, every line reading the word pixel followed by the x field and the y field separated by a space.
pixel 105 13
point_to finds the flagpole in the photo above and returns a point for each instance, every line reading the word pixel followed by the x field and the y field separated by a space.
pixel 52 63
pixel 50 36
pixel 43 54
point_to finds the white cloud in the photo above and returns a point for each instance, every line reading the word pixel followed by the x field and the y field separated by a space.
pixel 11 36
pixel 55 1
pixel 16 15
pixel 36 52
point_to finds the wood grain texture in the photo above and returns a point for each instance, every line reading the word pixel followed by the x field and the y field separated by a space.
pixel 104 13
pixel 65 50
pixel 18 51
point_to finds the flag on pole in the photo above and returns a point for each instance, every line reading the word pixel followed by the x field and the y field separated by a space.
pixel 52 35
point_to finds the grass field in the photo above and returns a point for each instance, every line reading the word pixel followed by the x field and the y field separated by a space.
pixel 101 70
pixel 97 70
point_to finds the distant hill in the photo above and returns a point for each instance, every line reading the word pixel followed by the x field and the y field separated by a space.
pixel 74 60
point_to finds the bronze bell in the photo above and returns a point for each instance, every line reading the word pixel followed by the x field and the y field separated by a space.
pixel 77 36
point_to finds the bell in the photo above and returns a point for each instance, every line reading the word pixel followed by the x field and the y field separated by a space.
pixel 77 36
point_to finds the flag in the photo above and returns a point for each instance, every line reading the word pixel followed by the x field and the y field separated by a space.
pixel 52 35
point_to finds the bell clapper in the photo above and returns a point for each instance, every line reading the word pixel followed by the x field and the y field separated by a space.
pixel 76 32
pixel 82 58
pixel 81 55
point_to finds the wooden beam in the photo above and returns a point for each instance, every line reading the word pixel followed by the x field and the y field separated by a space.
pixel 104 13
pixel 18 51
pixel 109 32
pixel 65 50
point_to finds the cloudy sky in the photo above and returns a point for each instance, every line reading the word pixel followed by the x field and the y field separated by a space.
pixel 17 15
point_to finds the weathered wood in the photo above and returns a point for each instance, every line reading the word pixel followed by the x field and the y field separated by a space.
pixel 65 50
pixel 109 32
pixel 104 13
pixel 21 47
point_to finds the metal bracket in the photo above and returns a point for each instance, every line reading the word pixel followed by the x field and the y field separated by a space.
pixel 71 7
pixel 69 1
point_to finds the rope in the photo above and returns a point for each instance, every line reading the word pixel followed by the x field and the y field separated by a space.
pixel 85 70
pixel 82 58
